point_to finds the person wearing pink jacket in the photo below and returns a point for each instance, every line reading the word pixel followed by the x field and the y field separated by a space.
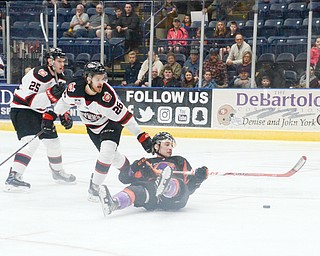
pixel 177 32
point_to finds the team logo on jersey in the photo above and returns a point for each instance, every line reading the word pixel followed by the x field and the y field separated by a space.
pixel 71 87
pixel 42 73
pixel 107 97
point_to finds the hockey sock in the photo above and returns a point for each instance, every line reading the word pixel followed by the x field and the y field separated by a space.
pixel 22 159
pixel 54 153
pixel 172 189
pixel 120 161
pixel 125 198
pixel 107 153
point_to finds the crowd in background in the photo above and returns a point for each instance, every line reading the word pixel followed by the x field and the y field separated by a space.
pixel 227 52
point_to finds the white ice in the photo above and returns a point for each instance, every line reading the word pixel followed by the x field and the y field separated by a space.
pixel 225 216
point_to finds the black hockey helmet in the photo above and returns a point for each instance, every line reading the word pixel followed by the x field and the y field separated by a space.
pixel 163 136
pixel 92 68
pixel 54 53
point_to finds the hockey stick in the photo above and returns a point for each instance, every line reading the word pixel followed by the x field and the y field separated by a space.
pixel 47 44
pixel 27 143
pixel 294 169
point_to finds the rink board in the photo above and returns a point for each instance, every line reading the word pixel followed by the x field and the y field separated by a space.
pixel 274 114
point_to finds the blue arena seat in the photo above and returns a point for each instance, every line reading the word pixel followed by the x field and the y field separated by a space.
pixel 278 10
pixel 291 26
pixel 297 10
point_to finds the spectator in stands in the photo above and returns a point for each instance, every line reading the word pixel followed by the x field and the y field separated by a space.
pixel 265 82
pixel 212 10
pixel 143 72
pixel 113 23
pixel 314 81
pixel 195 43
pixel 231 34
pixel 168 79
pixel 237 50
pixel 186 23
pixel 177 32
pixel 169 12
pixel 219 35
pixel 78 21
pixel 192 64
pixel 244 65
pixel 128 26
pixel 132 70
pixel 233 29
pixel 176 67
pixel 271 70
pixel 243 80
pixel 188 80
pixel 156 79
pixel 93 27
pixel 208 81
pixel 217 68
pixel 315 52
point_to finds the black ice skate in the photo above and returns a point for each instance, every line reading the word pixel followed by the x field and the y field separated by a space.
pixel 108 203
pixel 62 177
pixel 14 183
pixel 162 181
pixel 93 191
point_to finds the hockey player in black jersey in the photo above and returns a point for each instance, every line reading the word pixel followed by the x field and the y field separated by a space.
pixel 155 183
pixel 38 91
pixel 104 115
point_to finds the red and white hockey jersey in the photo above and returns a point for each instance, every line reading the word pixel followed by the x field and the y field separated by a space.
pixel 96 111
pixel 31 94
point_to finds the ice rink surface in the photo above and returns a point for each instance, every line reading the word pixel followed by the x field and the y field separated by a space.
pixel 225 216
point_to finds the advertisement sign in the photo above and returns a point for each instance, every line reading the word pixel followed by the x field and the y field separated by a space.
pixel 163 107
pixel 272 109
pixel 151 106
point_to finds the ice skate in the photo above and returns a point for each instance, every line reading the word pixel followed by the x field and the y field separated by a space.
pixel 62 177
pixel 93 192
pixel 108 203
pixel 14 183
pixel 162 180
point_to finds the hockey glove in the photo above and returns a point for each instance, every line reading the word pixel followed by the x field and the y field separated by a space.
pixel 54 93
pixel 66 120
pixel 145 141
pixel 201 173
pixel 138 165
pixel 47 124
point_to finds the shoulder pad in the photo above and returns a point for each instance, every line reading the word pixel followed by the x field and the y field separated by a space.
pixel 76 88
pixel 42 74
pixel 107 97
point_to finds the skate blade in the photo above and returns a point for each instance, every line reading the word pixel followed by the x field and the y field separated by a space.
pixel 105 207
pixel 13 189
pixel 164 181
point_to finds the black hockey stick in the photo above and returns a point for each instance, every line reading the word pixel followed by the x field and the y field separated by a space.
pixel 47 44
pixel 289 173
pixel 24 145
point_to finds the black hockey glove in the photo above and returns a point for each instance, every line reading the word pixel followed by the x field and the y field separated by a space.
pixel 145 141
pixel 66 120
pixel 201 173
pixel 54 93
pixel 138 165
pixel 47 124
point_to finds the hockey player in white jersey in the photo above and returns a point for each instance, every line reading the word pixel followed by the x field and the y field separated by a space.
pixel 104 115
pixel 38 91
